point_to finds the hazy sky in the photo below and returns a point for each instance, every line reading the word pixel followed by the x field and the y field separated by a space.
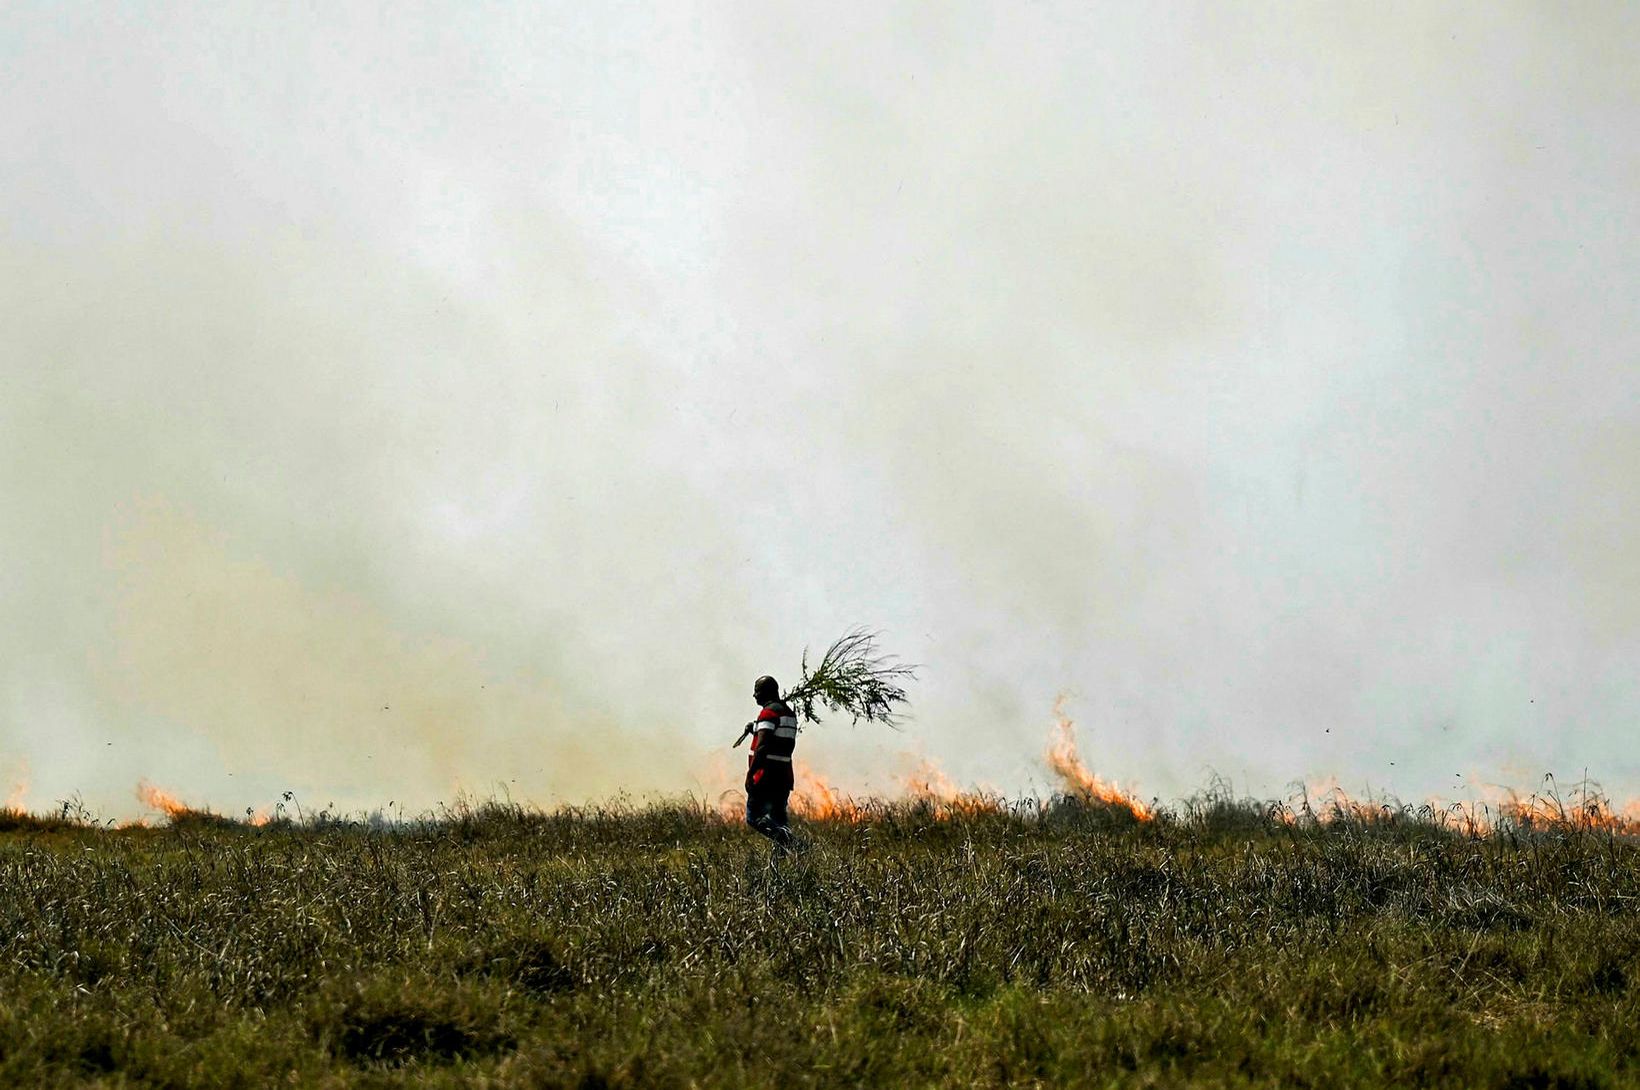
pixel 403 399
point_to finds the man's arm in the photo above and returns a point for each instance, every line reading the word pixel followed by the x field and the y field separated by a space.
pixel 761 729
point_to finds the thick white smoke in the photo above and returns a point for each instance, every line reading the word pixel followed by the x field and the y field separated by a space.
pixel 400 401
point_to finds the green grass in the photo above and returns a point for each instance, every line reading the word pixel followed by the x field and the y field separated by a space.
pixel 661 946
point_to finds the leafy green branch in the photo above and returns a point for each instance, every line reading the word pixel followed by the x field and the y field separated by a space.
pixel 854 678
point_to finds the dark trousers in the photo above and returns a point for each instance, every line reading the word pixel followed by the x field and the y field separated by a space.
pixel 766 812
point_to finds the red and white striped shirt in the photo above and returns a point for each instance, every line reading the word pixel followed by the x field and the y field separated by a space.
pixel 774 738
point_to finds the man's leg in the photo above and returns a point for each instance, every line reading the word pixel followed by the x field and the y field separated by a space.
pixel 782 833
pixel 760 814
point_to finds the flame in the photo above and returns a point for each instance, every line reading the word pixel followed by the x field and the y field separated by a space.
pixel 1317 802
pixel 722 776
pixel 730 806
pixel 1325 802
pixel 1588 809
pixel 17 799
pixel 816 799
pixel 157 798
pixel 1077 781
pixel 928 783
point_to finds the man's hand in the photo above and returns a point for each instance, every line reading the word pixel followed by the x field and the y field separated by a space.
pixel 744 735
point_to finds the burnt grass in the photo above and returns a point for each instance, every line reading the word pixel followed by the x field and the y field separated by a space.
pixel 663 946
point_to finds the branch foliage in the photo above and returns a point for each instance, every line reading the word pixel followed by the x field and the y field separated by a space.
pixel 852 678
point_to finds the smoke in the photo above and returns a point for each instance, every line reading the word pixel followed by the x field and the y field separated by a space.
pixel 430 399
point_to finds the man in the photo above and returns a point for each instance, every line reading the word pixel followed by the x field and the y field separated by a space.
pixel 769 767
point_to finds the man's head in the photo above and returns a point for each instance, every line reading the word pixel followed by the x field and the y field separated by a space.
pixel 765 690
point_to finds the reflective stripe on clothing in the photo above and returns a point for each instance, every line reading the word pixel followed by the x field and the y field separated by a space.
pixel 773 742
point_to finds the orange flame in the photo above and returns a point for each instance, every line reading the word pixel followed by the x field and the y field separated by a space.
pixel 816 799
pixel 157 798
pixel 928 783
pixel 1321 802
pixel 1077 781
pixel 1325 802
pixel 1587 809
pixel 17 799
pixel 721 782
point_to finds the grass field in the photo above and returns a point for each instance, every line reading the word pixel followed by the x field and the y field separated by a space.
pixel 1066 944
